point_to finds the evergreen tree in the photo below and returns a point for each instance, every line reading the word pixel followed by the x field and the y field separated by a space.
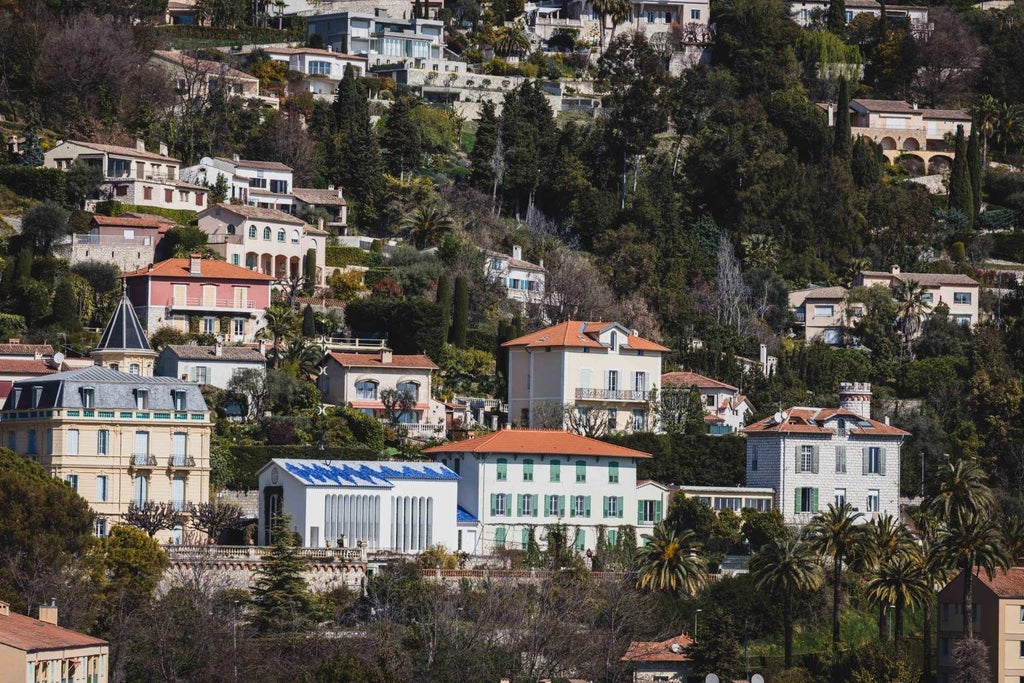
pixel 841 144
pixel 527 125
pixel 460 322
pixel 975 170
pixel 481 174
pixel 65 307
pixel 402 144
pixel 31 150
pixel 310 269
pixel 354 154
pixel 866 161
pixel 695 413
pixel 837 17
pixel 280 596
pixel 444 300
pixel 308 322
pixel 960 196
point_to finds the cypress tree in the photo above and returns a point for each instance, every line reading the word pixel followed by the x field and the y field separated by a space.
pixel 481 173
pixel 402 145
pixel 501 357
pixel 460 322
pixel 866 161
pixel 310 269
pixel 960 196
pixel 841 144
pixel 358 165
pixel 444 300
pixel 65 308
pixel 837 17
pixel 308 322
pixel 695 413
pixel 280 596
pixel 975 170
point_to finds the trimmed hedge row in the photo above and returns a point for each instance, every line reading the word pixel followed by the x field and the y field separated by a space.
pixel 340 257
pixel 35 182
pixel 113 207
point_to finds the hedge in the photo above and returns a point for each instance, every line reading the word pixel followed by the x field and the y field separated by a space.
pixel 241 34
pixel 115 208
pixel 1008 246
pixel 35 182
pixel 247 461
pixel 340 257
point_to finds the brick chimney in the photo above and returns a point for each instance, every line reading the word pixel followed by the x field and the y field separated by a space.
pixel 517 253
pixel 48 613
pixel 385 356
pixel 195 264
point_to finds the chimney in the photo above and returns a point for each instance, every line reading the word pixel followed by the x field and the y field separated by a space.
pixel 5 609
pixel 320 223
pixel 856 397
pixel 330 48
pixel 263 347
pixel 163 149
pixel 762 355
pixel 48 613
pixel 235 158
pixel 831 115
pixel 14 340
pixel 218 349
pixel 386 356
pixel 895 269
pixel 195 264
pixel 140 145
pixel 340 192
pixel 541 263
pixel 517 253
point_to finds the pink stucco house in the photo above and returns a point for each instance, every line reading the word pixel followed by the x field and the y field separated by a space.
pixel 172 291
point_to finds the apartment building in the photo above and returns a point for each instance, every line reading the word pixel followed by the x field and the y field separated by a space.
pixel 726 409
pixel 523 281
pixel 226 299
pixel 602 372
pixel 41 651
pixel 259 183
pixel 959 293
pixel 516 480
pixel 214 365
pixel 379 36
pixel 268 241
pixel 132 175
pixel 998 621
pixel 812 457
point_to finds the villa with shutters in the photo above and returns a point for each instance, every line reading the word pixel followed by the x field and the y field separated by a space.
pixel 515 481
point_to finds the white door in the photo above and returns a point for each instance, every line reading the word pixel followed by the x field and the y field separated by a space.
pixel 470 545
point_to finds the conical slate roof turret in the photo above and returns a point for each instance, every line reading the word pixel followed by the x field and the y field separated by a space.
pixel 124 331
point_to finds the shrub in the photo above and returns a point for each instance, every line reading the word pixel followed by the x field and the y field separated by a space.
pixel 35 182
pixel 340 257
pixel 1008 245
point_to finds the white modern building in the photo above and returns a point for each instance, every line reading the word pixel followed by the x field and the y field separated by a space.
pixel 379 36
pixel 812 457
pixel 260 183
pixel 386 505
pixel 322 69
pixel 214 365
pixel 515 481
pixel 523 281
pixel 726 409
pixel 603 372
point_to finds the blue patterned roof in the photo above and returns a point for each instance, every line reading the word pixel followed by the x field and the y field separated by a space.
pixel 362 473
pixel 463 515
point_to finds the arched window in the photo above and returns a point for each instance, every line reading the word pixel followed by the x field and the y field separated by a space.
pixel 250 260
pixel 280 235
pixel 266 233
pixel 231 229
pixel 412 389
pixel 295 236
pixel 252 232
pixel 366 389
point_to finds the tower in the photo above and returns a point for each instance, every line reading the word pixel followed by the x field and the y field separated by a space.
pixel 856 397
pixel 123 345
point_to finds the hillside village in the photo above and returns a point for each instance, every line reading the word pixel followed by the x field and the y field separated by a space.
pixel 511 341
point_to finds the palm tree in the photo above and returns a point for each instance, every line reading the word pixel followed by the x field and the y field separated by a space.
pixel 426 224
pixel 986 116
pixel 971 542
pixel 926 530
pixel 279 322
pixel 511 41
pixel 963 490
pixel 836 534
pixel 1013 536
pixel 901 581
pixel 760 250
pixel 1010 125
pixel 669 562
pixel 910 308
pixel 617 10
pixel 783 568
pixel 302 357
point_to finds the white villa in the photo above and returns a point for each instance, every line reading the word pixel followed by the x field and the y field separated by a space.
pixel 523 281
pixel 726 408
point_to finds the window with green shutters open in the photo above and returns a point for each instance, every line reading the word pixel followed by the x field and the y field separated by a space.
pixel 613 537
pixel 613 506
pixel 613 473
pixel 648 511
pixel 527 470
pixel 554 505
pixel 580 506
pixel 580 541
pixel 499 536
pixel 526 504
pixel 526 539
pixel 806 499
pixel 499 504
pixel 581 472
pixel 556 471
pixel 502 469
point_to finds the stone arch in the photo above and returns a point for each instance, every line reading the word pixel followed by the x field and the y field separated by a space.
pixel 940 163
pixel 912 145
pixel 913 164
pixel 887 143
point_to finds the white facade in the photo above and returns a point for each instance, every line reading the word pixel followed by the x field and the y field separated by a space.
pixel 542 482
pixel 323 69
pixel 267 184
pixel 208 364
pixel 812 457
pixel 386 505
pixel 726 409
pixel 379 34
pixel 523 281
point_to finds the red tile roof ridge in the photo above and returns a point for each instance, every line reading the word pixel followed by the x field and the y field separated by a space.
pixel 685 378
pixel 538 441
pixel 670 650
pixel 32 635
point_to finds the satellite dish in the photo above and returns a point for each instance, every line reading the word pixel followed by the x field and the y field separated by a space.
pixel 757 678
pixel 711 678
pixel 675 647
pixel 778 418
pixel 220 338
pixel 785 416
pixel 58 358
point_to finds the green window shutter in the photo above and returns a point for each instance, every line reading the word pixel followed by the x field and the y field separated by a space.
pixel 586 506
pixel 561 506
pixel 581 471
pixel 657 511
pixel 547 504
pixel 613 473
pixel 604 500
pixel 613 537
pixel 814 466
pixel 814 499
pixel 621 506
pixel 556 471
pixel 841 459
pixel 535 510
pixel 494 505
pixel 572 506
pixel 526 538
pixel 519 505
pixel 639 512
pixel 796 454
pixel 796 499
pixel 881 461
pixel 864 457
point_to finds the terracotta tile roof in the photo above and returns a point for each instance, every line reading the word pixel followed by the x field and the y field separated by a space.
pixel 689 379
pixel 579 334
pixel 1007 583
pixel 128 222
pixel 924 279
pixel 671 650
pixel 372 360
pixel 948 114
pixel 209 353
pixel 123 151
pixel 811 421
pixel 17 349
pixel 885 106
pixel 312 195
pixel 207 66
pixel 256 212
pixel 31 635
pixel 820 293
pixel 26 366
pixel 255 163
pixel 515 262
pixel 210 268
pixel 538 442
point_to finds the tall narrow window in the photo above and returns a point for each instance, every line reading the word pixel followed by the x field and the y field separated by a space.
pixel 178 493
pixel 179 400
pixel 88 397
pixel 141 399
pixel 613 473
pixel 101 488
pixel 556 471
pixel 180 446
pixel 72 442
pixel 141 490
pixel 527 470
pixel 141 448
pixel 32 442
pixel 581 471
pixel 502 469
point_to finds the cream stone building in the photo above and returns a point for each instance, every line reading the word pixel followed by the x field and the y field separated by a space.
pixel 606 374
pixel 41 651
pixel 116 437
pixel 959 292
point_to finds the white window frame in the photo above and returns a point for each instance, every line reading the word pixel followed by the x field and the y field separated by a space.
pixel 874 502
pixel 807 458
pixel 579 506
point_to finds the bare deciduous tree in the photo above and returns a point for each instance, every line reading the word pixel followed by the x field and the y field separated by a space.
pixel 949 58
pixel 577 290
pixel 153 517
pixel 215 517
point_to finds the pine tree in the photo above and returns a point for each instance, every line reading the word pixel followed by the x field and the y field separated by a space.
pixel 960 196
pixel 403 147
pixel 481 173
pixel 308 322
pixel 355 153
pixel 31 150
pixel 866 162
pixel 841 144
pixel 310 269
pixel 444 300
pixel 460 321
pixel 837 17
pixel 975 170
pixel 280 595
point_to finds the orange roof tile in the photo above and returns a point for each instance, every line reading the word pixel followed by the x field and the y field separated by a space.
pixel 811 421
pixel 19 349
pixel 372 360
pixel 31 635
pixel 689 379
pixel 210 268
pixel 26 366
pixel 538 442
pixel 128 221
pixel 671 650
pixel 1007 583
pixel 579 334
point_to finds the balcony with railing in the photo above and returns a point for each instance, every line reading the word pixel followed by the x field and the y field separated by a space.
pixel 611 394
pixel 210 305
pixel 181 461
pixel 143 460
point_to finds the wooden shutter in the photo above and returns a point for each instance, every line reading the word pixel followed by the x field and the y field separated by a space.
pixel 864 461
pixel 657 511
pixel 881 461
pixel 841 459
pixel 572 508
pixel 814 499
pixel 814 460
pixel 547 504
pixel 639 512
pixel 535 510
pixel 621 506
pixel 586 506
pixel 519 505
pixel 796 458
pixel 604 502
pixel 796 502
pixel 494 504
pixel 561 506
